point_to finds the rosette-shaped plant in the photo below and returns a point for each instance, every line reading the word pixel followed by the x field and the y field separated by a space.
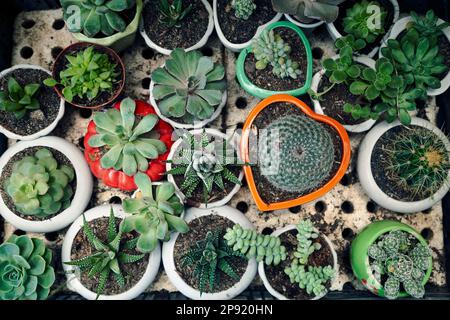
pixel 172 12
pixel 25 269
pixel 39 185
pixel 243 9
pixel 426 26
pixel 309 10
pixel 189 87
pixel 19 100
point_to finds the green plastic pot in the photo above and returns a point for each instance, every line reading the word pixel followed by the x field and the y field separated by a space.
pixel 119 41
pixel 360 260
pixel 256 91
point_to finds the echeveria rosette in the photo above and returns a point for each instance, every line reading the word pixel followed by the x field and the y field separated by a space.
pixel 189 87
pixel 25 269
pixel 117 178
pixel 309 10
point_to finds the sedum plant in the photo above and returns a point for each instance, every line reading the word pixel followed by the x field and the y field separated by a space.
pixel 306 234
pixel 310 278
pixel 254 245
pixel 19 100
pixel 129 142
pixel 26 272
pixel 307 10
pixel 189 87
pixel 243 9
pixel 153 217
pixel 96 17
pixel 172 12
pixel 107 257
pixel 40 186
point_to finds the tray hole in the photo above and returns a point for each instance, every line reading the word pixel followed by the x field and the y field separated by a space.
pixel 427 211
pixel 427 233
pixel 295 209
pixel 51 236
pixel 85 113
pixel 241 103
pixel 320 206
pixel 28 24
pixel 56 51
pixel 19 232
pixel 81 142
pixel 58 24
pixel 145 83
pixel 348 234
pixel 346 180
pixel 347 207
pixel 240 125
pixel 207 51
pixel 347 286
pixel 267 231
pixel 26 52
pixel 148 53
pixel 371 206
pixel 317 53
pixel 115 200
pixel 242 206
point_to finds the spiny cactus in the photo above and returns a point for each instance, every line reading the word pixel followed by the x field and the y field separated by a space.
pixel 310 278
pixel 296 153
pixel 270 48
pixel 26 272
pixel 305 236
pixel 243 9
pixel 254 245
pixel 39 185
pixel 19 100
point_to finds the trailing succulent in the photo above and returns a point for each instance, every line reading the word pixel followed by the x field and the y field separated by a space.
pixel 306 234
pixel 153 217
pixel 40 186
pixel 96 16
pixel 107 257
pixel 172 12
pixel 87 74
pixel 26 272
pixel 189 87
pixel 19 100
pixel 129 142
pixel 270 49
pixel 399 256
pixel 254 245
pixel 209 258
pixel 243 9
pixel 309 10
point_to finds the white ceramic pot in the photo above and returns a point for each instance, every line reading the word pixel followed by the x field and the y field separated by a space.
pixel 196 46
pixel 81 198
pixel 368 182
pixel 43 132
pixel 361 127
pixel 335 34
pixel 72 272
pixel 236 47
pixel 169 264
pixel 217 134
pixel 262 272
pixel 302 25
pixel 401 26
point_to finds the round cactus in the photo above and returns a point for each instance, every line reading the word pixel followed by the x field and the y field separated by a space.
pixel 296 153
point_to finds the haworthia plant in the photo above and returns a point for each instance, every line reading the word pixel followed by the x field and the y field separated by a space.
pixel 19 100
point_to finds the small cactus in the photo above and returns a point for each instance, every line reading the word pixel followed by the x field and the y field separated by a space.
pixel 243 9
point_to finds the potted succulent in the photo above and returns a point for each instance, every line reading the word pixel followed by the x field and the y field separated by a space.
pixel 237 22
pixel 124 140
pixel 405 169
pixel 368 20
pixel 45 184
pixel 111 23
pixel 309 268
pixel 101 261
pixel 189 90
pixel 200 263
pixel 88 75
pixel 26 271
pixel 391 259
pixel 170 24
pixel 279 60
pixel 296 154
pixel 205 168
pixel 28 109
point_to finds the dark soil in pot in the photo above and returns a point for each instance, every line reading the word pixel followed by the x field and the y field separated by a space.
pixel 265 79
pixel 7 171
pixel 238 30
pixel 280 281
pixel 268 192
pixel 132 272
pixel 444 50
pixel 192 28
pixel 36 120
pixel 198 228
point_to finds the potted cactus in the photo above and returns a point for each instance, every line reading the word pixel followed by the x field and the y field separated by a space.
pixel 405 169
pixel 279 60
pixel 303 163
pixel 201 264
pixel 170 24
pixel 111 23
pixel 45 184
pixel 124 140
pixel 391 259
pixel 26 271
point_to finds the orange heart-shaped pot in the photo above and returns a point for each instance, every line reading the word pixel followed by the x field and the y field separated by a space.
pixel 248 127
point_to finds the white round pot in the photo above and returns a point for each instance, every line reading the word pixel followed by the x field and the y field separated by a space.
pixel 398 28
pixel 262 272
pixel 361 127
pixel 81 198
pixel 169 264
pixel 335 34
pixel 43 132
pixel 368 182
pixel 196 46
pixel 73 274
pixel 170 178
pixel 197 124
pixel 303 25
pixel 236 47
